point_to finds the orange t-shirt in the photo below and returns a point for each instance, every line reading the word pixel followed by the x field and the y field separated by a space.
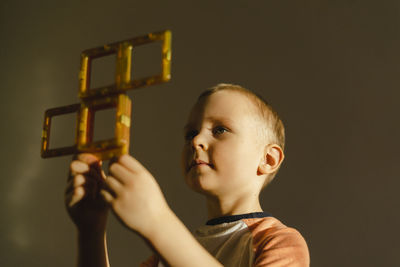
pixel 253 239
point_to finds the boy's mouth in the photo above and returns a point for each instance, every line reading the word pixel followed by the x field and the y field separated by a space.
pixel 198 162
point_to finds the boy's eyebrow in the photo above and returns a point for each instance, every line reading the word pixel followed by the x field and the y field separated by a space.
pixel 210 119
pixel 223 120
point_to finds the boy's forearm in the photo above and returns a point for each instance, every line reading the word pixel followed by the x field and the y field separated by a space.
pixel 177 245
pixel 92 249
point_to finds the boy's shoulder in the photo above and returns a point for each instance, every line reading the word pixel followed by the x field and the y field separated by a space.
pixel 270 230
pixel 275 242
pixel 261 239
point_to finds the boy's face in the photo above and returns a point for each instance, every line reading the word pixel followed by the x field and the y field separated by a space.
pixel 222 151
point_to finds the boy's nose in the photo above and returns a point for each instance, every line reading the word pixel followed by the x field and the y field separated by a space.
pixel 199 142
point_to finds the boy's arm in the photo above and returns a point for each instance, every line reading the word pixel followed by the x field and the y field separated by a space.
pixel 177 245
pixel 88 210
pixel 137 200
pixel 92 250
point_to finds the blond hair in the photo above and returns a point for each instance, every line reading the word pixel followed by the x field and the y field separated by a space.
pixel 271 130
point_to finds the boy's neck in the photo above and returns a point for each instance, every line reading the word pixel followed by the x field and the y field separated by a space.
pixel 218 207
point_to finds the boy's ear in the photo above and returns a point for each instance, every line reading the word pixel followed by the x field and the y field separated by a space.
pixel 272 159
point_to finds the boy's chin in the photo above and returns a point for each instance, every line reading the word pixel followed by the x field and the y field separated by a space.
pixel 199 184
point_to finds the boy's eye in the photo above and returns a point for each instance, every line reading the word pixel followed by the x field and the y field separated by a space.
pixel 219 130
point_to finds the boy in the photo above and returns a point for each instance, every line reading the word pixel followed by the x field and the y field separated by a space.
pixel 233 148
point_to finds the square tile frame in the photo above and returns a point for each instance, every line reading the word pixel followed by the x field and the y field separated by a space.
pixel 103 149
pixel 123 51
pixel 47 152
pixel 113 147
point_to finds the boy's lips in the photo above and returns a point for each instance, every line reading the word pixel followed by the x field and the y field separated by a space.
pixel 198 162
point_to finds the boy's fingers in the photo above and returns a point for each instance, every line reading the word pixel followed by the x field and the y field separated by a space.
pixel 97 172
pixel 112 161
pixel 78 180
pixel 78 167
pixel 107 196
pixel 87 166
pixel 130 163
pixel 74 196
pixel 103 174
pixel 120 173
pixel 113 184
pixel 88 158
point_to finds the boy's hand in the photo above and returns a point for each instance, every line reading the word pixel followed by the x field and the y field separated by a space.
pixel 135 196
pixel 84 204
